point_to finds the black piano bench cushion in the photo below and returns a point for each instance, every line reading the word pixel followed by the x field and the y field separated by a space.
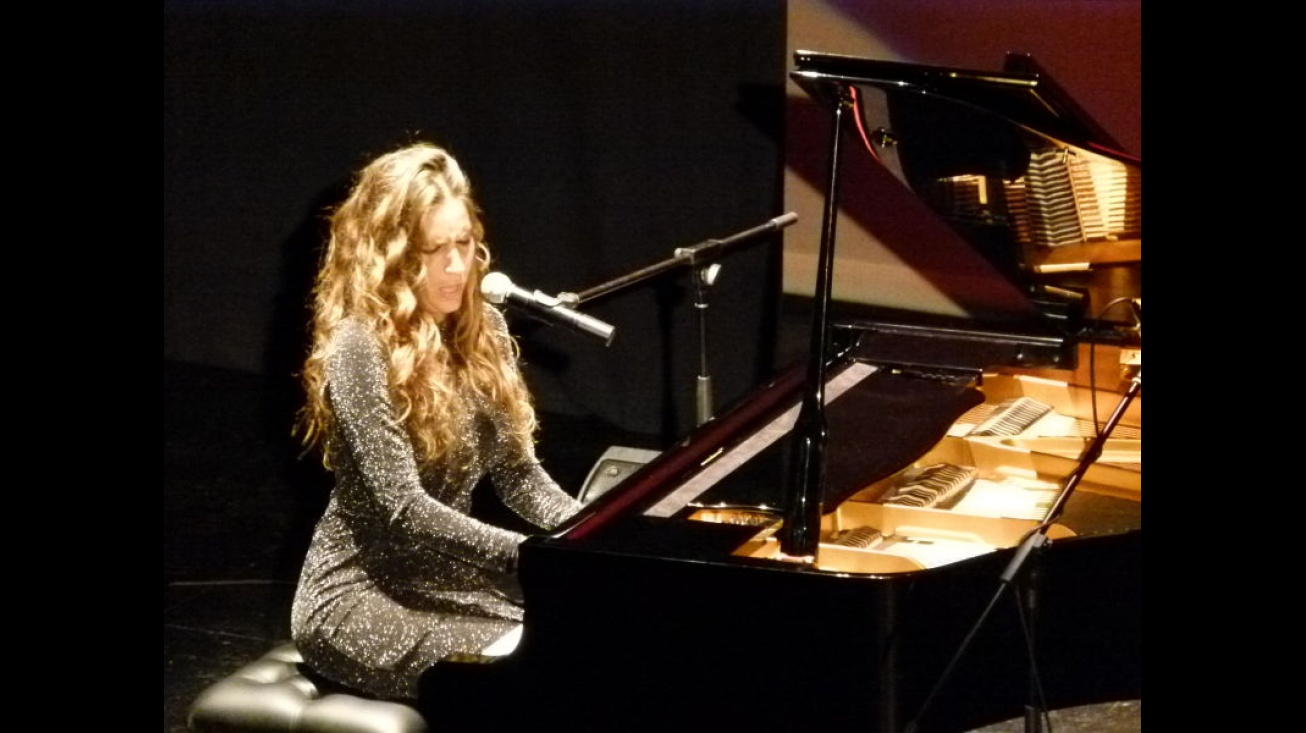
pixel 272 694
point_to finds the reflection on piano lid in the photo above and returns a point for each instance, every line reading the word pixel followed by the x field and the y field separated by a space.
pixel 1010 162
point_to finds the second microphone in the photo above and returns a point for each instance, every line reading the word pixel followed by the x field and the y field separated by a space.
pixel 498 288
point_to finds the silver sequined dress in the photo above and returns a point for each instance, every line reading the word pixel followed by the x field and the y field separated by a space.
pixel 398 575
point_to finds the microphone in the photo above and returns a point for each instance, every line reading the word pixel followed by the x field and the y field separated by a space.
pixel 499 288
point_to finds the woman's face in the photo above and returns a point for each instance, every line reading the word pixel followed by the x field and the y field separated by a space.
pixel 447 248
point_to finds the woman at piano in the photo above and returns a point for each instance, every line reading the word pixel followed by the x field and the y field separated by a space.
pixel 413 395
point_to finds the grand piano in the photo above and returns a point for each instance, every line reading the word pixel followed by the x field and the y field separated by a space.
pixel 933 522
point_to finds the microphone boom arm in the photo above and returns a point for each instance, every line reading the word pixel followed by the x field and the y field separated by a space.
pixel 697 254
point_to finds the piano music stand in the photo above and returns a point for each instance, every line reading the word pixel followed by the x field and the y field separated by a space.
pixel 1035 710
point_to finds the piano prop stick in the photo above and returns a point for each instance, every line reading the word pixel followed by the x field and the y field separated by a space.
pixel 800 531
pixel 702 257
pixel 1034 711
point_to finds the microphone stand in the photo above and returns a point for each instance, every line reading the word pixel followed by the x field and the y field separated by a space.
pixel 703 279
pixel 701 257
pixel 1033 541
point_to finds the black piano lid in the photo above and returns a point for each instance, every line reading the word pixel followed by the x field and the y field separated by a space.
pixel 1021 175
pixel 1023 92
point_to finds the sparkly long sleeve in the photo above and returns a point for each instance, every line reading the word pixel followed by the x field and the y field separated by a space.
pixel 382 456
pixel 521 482
pixel 398 575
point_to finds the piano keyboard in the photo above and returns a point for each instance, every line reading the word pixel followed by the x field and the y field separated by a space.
pixel 1012 417
pixel 939 486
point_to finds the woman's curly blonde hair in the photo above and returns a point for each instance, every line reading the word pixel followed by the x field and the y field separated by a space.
pixel 372 270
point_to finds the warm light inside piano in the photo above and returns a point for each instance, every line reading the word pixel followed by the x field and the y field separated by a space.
pixel 987 484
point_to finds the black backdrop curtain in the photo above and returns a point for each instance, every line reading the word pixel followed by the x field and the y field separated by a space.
pixel 600 137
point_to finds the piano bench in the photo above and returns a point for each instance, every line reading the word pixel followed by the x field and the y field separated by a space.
pixel 273 694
